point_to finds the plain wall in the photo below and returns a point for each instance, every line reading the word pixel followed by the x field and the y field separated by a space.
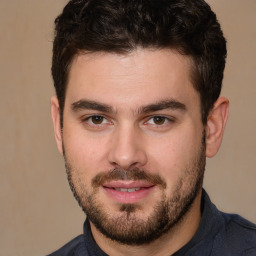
pixel 38 212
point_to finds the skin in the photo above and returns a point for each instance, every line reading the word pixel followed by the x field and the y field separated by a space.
pixel 128 136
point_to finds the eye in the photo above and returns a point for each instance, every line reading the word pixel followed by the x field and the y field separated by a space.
pixel 96 120
pixel 158 120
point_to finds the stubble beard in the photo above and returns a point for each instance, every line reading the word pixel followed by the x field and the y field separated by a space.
pixel 127 227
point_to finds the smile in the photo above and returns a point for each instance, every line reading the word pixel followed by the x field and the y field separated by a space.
pixel 126 192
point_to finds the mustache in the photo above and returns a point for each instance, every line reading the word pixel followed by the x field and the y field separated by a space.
pixel 134 174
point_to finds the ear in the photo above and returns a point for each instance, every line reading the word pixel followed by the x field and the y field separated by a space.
pixel 55 112
pixel 215 126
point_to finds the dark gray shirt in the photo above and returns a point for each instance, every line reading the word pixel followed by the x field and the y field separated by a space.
pixel 219 234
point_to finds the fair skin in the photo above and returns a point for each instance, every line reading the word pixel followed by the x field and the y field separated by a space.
pixel 123 130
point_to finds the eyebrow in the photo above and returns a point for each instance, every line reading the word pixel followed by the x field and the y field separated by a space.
pixel 161 105
pixel 165 104
pixel 92 105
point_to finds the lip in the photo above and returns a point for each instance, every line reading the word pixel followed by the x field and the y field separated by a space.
pixel 125 197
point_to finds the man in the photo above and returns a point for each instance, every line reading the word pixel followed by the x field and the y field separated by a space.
pixel 137 112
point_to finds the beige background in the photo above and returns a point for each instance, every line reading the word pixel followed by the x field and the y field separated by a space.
pixel 38 212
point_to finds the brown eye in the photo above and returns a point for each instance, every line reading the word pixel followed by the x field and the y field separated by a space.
pixel 97 119
pixel 159 120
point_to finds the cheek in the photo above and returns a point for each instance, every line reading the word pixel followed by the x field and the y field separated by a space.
pixel 85 151
pixel 167 158
pixel 173 155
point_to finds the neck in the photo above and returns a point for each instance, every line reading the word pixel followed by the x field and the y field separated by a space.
pixel 167 244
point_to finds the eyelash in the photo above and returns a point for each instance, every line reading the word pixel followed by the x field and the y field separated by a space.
pixel 163 120
pixel 89 119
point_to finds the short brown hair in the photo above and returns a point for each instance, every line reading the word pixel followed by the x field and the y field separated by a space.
pixel 120 26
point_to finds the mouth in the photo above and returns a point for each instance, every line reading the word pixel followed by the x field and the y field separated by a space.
pixel 127 192
pixel 127 189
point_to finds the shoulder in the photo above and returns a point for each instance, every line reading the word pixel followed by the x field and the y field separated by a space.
pixel 237 226
pixel 237 235
pixel 72 248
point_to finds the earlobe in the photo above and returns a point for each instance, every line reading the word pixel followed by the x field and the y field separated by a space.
pixel 55 112
pixel 215 126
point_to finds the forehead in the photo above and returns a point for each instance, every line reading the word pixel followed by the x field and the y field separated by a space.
pixel 138 77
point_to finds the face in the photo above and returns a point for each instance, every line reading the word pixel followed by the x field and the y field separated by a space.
pixel 133 141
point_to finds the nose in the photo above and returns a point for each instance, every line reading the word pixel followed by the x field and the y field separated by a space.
pixel 127 148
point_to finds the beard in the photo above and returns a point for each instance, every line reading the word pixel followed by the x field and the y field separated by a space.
pixel 128 226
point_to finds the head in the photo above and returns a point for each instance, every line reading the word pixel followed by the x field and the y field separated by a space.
pixel 137 110
pixel 189 27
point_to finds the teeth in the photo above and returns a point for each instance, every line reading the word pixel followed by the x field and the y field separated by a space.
pixel 127 189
